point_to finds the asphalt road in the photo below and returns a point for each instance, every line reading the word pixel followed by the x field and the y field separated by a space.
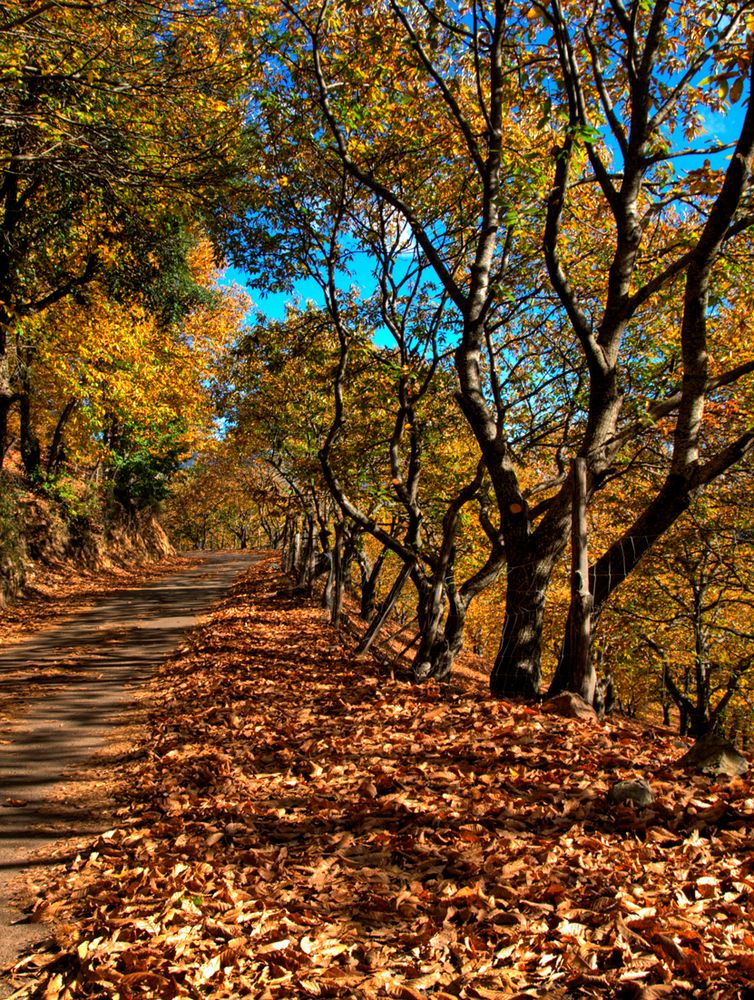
pixel 107 651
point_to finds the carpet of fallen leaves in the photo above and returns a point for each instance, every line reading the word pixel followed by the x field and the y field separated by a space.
pixel 303 825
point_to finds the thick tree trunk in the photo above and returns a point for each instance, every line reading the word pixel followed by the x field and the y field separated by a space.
pixel 329 588
pixel 56 454
pixel 517 671
pixel 7 396
pixel 435 660
pixel 369 586
pixel 429 609
pixel 6 401
pixel 582 670
pixel 348 557
pixel 696 719
pixel 306 565
pixel 577 674
pixel 31 453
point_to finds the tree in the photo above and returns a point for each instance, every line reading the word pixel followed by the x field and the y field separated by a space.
pixel 115 118
pixel 522 141
pixel 225 499
pixel 118 393
pixel 690 609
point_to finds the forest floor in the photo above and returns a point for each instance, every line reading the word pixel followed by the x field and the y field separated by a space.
pixel 293 822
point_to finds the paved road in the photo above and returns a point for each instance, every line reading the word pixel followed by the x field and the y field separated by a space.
pixel 110 648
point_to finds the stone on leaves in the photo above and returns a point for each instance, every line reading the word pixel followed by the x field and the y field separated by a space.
pixel 636 791
pixel 713 754
pixel 569 705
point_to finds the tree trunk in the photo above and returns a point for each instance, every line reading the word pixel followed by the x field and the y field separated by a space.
pixel 31 453
pixel 305 568
pixel 7 397
pixel 328 590
pixel 517 671
pixel 695 718
pixel 577 673
pixel 584 679
pixel 290 530
pixel 339 567
pixel 429 609
pixel 436 661
pixel 56 453
pixel 348 558
pixel 6 401
pixel 369 579
pixel 612 568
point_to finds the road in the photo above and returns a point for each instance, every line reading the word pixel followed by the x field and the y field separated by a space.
pixel 111 649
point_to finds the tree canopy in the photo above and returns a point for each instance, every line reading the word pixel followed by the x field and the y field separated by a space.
pixel 530 226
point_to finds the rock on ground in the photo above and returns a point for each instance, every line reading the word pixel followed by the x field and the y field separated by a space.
pixel 636 791
pixel 714 754
pixel 570 706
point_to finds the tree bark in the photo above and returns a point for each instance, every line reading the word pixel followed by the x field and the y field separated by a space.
pixel 612 568
pixel 577 673
pixel 435 660
pixel 338 571
pixel 7 395
pixel 57 452
pixel 583 677
pixel 517 671
pixel 369 579
pixel 31 453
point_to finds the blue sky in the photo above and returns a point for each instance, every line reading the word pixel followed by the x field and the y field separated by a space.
pixel 273 304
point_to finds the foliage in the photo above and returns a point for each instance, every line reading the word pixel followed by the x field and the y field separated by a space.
pixel 223 499
pixel 687 617
pixel 116 391
pixel 547 165
pixel 119 121
pixel 141 469
pixel 10 523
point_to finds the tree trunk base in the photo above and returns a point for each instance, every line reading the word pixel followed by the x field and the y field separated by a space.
pixel 514 683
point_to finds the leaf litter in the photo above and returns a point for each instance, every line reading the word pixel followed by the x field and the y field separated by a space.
pixel 299 824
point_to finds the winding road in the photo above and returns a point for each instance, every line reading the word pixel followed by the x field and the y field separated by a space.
pixel 107 651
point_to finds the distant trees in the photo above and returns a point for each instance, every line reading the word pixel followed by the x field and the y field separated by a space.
pixel 226 499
